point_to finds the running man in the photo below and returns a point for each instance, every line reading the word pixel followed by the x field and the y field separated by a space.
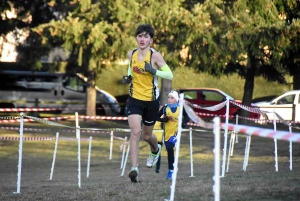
pixel 146 65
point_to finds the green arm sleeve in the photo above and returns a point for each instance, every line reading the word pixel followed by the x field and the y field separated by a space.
pixel 165 72
pixel 129 70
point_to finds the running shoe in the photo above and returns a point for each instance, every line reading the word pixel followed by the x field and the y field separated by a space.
pixel 169 174
pixel 153 158
pixel 134 174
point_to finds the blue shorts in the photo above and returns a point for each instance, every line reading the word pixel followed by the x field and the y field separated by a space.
pixel 171 142
pixel 147 109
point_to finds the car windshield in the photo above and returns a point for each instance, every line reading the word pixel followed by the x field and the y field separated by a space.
pixel 273 100
pixel 222 92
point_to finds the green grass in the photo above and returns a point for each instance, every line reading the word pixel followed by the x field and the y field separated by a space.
pixel 110 80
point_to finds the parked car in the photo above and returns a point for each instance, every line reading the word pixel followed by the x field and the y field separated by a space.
pixel 286 105
pixel 206 97
pixel 27 89
pixel 264 99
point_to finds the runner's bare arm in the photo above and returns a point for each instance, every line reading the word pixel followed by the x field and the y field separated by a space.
pixel 129 54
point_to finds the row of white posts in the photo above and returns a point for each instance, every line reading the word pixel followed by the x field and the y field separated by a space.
pixel 123 161
pixel 234 137
pixel 54 154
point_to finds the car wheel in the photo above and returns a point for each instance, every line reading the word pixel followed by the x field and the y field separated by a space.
pixel 100 110
pixel 6 105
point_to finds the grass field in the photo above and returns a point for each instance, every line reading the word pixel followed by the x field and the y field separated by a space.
pixel 184 77
pixel 260 182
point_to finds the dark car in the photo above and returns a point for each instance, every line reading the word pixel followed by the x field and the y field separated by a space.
pixel 122 100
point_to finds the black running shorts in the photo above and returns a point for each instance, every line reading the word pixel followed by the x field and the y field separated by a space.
pixel 147 109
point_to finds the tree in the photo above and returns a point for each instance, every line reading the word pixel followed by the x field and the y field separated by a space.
pixel 12 20
pixel 241 37
pixel 171 21
pixel 39 12
pixel 18 17
pixel 290 12
pixel 88 36
pixel 99 33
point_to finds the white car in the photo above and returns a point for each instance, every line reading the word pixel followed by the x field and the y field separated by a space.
pixel 286 105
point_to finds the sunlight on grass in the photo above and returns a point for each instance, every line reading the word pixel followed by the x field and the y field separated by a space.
pixel 232 84
pixel 69 149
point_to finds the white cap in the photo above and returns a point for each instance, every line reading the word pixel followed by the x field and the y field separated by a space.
pixel 174 94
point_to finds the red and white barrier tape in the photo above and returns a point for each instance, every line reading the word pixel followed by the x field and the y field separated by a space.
pixel 210 108
pixel 51 123
pixel 26 138
pixel 119 138
pixel 103 118
pixel 248 108
pixel 212 115
pixel 262 132
pixel 123 145
pixel 40 138
pixel 63 130
pixel 39 109
pixel 15 120
pixel 31 120
pixel 28 109
pixel 62 118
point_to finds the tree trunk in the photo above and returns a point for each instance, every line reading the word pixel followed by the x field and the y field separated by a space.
pixel 166 87
pixel 296 79
pixel 91 94
pixel 248 91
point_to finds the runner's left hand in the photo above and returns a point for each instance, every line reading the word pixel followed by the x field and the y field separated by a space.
pixel 149 68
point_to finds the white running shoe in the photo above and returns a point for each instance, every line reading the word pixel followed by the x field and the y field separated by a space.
pixel 153 158
pixel 134 174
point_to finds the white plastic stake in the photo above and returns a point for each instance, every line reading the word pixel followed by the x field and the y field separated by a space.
pixel 89 158
pixel 125 162
pixel 291 150
pixel 20 153
pixel 54 155
pixel 177 150
pixel 111 144
pixel 77 123
pixel 225 137
pixel 191 152
pixel 123 154
pixel 236 123
pixel 79 162
pixel 216 151
pixel 275 142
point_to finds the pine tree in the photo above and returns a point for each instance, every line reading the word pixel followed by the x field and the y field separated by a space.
pixel 290 11
pixel 98 33
pixel 242 38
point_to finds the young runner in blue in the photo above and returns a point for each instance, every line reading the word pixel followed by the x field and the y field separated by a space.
pixel 170 114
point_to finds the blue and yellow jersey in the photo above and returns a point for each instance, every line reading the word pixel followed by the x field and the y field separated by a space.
pixel 171 126
pixel 144 85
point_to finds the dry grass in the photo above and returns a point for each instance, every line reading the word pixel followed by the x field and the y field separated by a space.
pixel 259 182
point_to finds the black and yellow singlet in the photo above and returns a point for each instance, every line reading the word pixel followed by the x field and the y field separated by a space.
pixel 144 85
